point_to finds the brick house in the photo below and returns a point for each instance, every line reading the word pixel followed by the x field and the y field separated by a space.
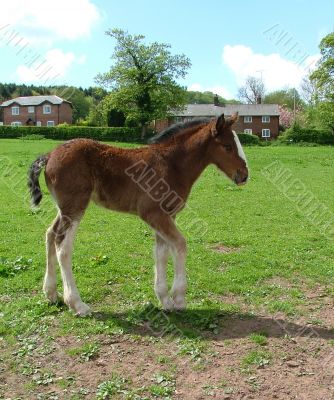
pixel 255 119
pixel 37 110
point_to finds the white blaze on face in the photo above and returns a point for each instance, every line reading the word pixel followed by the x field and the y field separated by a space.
pixel 239 147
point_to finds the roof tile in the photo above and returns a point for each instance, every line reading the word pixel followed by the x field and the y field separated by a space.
pixel 34 100
pixel 210 110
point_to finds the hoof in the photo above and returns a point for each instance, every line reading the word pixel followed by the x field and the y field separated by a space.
pixel 82 310
pixel 168 305
pixel 179 303
pixel 52 296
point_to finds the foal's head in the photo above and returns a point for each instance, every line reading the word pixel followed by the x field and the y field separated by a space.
pixel 225 150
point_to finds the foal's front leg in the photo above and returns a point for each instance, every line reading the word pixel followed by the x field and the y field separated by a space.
pixel 161 253
pixel 165 228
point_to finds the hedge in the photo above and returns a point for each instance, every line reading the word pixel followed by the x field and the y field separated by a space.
pixel 97 133
pixel 297 134
pixel 246 138
pixel 71 132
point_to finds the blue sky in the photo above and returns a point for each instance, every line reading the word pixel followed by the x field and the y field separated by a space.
pixel 63 42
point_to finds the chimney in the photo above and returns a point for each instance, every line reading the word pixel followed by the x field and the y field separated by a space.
pixel 216 100
pixel 258 100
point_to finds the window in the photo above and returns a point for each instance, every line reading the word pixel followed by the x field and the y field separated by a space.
pixel 265 133
pixel 16 123
pixel 50 123
pixel 46 109
pixel 15 110
pixel 31 109
pixel 265 118
pixel 249 131
pixel 38 123
pixel 247 119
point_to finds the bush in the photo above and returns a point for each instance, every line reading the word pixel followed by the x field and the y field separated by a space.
pixel 297 134
pixel 66 132
pixel 246 138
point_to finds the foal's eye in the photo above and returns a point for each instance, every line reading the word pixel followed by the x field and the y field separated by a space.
pixel 227 147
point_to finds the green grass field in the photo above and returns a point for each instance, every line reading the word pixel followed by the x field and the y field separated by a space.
pixel 260 257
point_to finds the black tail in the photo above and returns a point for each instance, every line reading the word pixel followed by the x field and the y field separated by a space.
pixel 33 176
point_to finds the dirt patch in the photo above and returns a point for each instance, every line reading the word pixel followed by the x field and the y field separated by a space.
pixel 279 281
pixel 317 302
pixel 320 306
pixel 294 362
pixel 221 248
pixel 299 366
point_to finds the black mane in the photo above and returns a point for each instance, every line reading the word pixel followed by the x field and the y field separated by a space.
pixel 176 129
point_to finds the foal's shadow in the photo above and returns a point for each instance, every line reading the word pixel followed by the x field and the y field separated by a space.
pixel 211 324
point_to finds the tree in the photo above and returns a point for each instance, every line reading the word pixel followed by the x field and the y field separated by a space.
pixel 286 117
pixel 308 90
pixel 116 118
pixel 323 79
pixel 96 93
pixel 289 98
pixel 252 90
pixel 194 97
pixel 97 115
pixel 81 103
pixel 323 76
pixel 143 78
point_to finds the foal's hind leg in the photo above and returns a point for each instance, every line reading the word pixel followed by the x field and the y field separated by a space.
pixel 64 248
pixel 161 253
pixel 50 278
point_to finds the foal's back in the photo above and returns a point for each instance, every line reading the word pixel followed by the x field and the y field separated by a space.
pixel 81 170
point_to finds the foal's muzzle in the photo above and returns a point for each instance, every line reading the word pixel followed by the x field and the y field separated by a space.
pixel 241 176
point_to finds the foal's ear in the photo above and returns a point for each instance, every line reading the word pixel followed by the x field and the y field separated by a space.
pixel 219 124
pixel 233 119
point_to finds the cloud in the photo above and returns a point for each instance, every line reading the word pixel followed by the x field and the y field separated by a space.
pixel 196 87
pixel 54 65
pixel 221 90
pixel 47 21
pixel 277 72
pixel 217 89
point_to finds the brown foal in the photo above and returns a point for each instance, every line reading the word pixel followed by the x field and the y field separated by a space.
pixel 152 182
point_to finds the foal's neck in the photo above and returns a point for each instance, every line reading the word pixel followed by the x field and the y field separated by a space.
pixel 190 157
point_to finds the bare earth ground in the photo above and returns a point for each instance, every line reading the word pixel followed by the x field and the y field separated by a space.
pixel 300 364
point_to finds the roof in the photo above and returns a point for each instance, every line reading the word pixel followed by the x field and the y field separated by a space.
pixel 34 100
pixel 210 110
